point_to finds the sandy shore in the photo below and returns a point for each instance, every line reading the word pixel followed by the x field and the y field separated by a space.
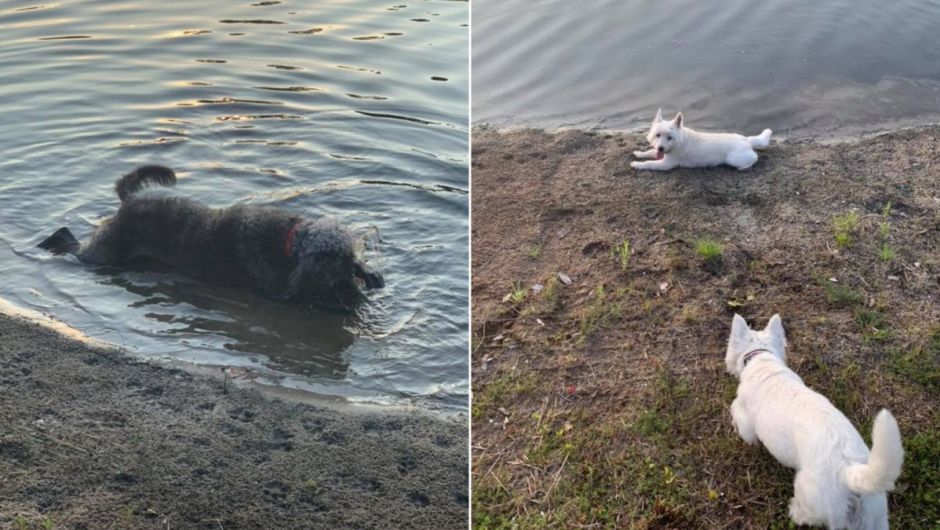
pixel 600 394
pixel 91 439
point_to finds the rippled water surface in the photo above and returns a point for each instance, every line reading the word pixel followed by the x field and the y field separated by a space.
pixel 802 67
pixel 354 109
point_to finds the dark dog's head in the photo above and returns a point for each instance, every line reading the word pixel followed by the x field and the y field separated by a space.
pixel 328 270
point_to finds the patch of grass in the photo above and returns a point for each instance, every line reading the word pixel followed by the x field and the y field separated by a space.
pixel 873 324
pixel 918 504
pixel 844 227
pixel 551 445
pixel 840 295
pixel 709 249
pixel 920 363
pixel 601 313
pixel 886 253
pixel 621 253
pixel 501 391
pixel 127 514
pixel 551 289
pixel 885 226
pixel 549 295
pixel 666 406
pixel 690 313
pixel 592 480
pixel 489 492
pixel 22 523
pixel 842 385
pixel 534 251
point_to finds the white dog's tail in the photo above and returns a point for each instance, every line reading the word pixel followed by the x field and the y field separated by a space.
pixel 884 463
pixel 760 141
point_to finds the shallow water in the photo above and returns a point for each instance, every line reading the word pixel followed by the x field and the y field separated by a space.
pixel 803 68
pixel 354 109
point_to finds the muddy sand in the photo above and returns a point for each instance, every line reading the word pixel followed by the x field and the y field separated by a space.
pixel 602 301
pixel 92 439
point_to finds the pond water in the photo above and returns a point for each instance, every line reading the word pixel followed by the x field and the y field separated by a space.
pixel 352 109
pixel 803 67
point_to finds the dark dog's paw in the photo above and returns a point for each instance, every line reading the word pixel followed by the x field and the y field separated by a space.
pixel 61 242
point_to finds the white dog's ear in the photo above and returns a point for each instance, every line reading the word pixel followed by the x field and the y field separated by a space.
pixel 739 329
pixel 678 120
pixel 775 330
pixel 775 326
pixel 659 116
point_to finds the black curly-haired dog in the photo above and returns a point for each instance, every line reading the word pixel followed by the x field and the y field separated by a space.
pixel 285 256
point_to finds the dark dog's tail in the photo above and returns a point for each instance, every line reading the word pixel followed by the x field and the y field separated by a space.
pixel 142 177
pixel 61 242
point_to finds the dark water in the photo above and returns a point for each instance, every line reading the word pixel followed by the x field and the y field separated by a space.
pixel 354 109
pixel 803 67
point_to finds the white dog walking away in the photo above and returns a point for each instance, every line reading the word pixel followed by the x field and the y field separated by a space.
pixel 677 146
pixel 839 482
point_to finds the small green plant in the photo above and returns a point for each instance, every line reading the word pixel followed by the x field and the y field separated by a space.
pixel 21 523
pixel 844 226
pixel 840 295
pixel 550 292
pixel 600 313
pixel 517 294
pixel 534 251
pixel 885 253
pixel 128 513
pixel 47 523
pixel 920 362
pixel 885 225
pixel 621 252
pixel 709 249
pixel 873 324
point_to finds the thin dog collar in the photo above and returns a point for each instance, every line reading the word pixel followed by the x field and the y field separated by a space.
pixel 753 353
pixel 289 239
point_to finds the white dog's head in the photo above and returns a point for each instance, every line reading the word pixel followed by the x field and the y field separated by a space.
pixel 744 340
pixel 665 135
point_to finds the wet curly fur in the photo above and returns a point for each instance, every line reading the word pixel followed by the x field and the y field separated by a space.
pixel 284 255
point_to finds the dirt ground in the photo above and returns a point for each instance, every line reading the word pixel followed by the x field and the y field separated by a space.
pixel 90 439
pixel 600 398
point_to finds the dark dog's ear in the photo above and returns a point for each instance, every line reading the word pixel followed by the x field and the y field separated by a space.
pixel 61 242
pixel 372 278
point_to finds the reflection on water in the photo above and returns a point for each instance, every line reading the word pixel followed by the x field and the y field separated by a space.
pixel 351 109
pixel 801 67
pixel 297 339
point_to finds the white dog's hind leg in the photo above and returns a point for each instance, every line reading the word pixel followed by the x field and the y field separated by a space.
pixel 742 158
pixel 801 508
pixel 741 422
pixel 654 165
pixel 760 141
pixel 648 154
pixel 814 504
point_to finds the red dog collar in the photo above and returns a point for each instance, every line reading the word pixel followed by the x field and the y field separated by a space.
pixel 753 353
pixel 289 239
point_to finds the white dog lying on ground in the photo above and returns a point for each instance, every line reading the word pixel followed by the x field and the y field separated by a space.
pixel 678 146
pixel 839 483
